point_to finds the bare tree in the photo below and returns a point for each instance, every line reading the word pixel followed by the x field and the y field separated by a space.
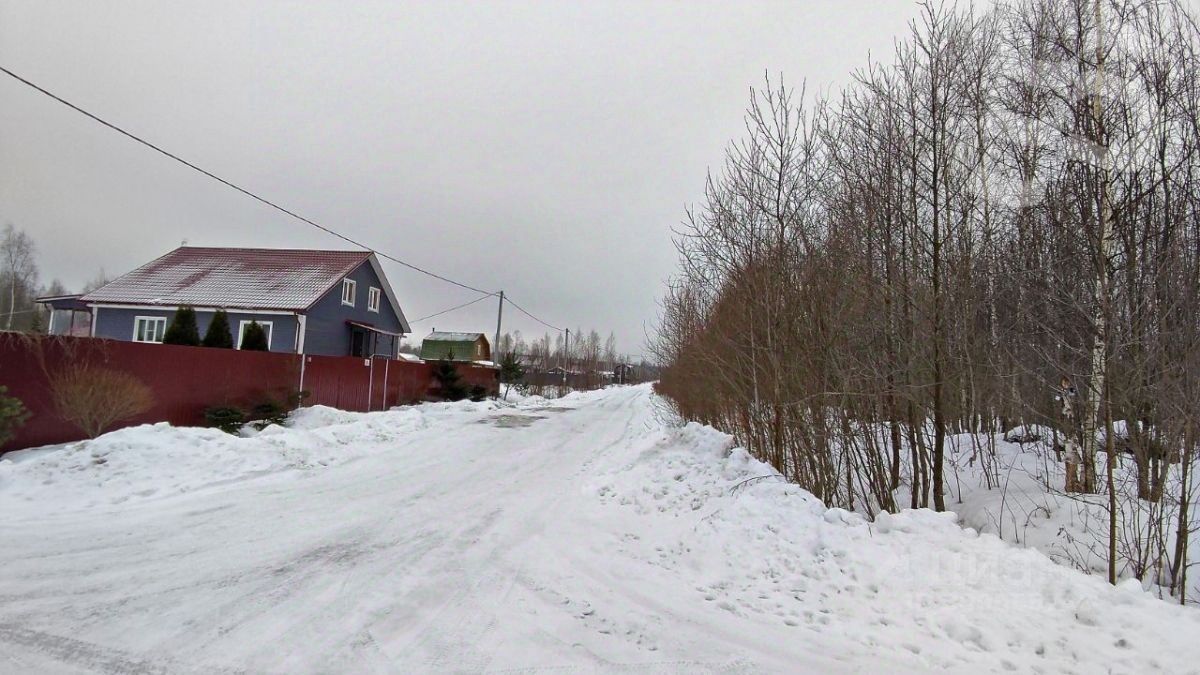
pixel 20 270
pixel 1009 204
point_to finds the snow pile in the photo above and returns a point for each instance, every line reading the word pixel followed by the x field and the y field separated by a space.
pixel 915 585
pixel 159 460
pixel 1025 505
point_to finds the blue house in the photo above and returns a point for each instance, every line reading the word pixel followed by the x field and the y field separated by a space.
pixel 334 303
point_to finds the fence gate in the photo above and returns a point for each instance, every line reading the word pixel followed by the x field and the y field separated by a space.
pixel 378 378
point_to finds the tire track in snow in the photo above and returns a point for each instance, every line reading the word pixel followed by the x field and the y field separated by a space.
pixel 69 651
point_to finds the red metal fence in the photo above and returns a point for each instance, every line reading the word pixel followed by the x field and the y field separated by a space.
pixel 186 380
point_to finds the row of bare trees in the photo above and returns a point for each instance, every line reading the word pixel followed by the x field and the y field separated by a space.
pixel 999 227
pixel 585 361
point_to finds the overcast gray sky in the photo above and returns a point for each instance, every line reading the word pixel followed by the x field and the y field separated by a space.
pixel 541 148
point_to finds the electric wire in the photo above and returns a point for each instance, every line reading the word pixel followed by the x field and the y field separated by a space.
pixel 281 209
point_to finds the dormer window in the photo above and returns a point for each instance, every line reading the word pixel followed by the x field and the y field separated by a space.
pixel 372 299
pixel 349 288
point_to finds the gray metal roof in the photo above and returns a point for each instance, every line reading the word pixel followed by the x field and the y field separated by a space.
pixel 445 336
pixel 247 278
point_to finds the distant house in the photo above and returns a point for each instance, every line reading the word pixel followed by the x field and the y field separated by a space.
pixel 443 346
pixel 623 373
pixel 335 303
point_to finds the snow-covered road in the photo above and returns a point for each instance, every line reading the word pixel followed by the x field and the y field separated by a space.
pixel 574 535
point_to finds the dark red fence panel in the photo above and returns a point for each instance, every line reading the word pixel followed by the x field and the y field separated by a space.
pixel 183 380
pixel 336 381
pixel 186 380
pixel 359 384
pixel 409 382
pixel 488 378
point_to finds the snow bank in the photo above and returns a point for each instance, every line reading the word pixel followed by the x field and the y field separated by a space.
pixel 159 460
pixel 1025 505
pixel 914 584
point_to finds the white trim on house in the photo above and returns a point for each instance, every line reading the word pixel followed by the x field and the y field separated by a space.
pixel 349 290
pixel 267 326
pixel 301 329
pixel 373 294
pixel 172 308
pixel 389 293
pixel 158 333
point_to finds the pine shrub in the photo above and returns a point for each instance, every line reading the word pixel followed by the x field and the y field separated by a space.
pixel 226 418
pixel 449 381
pixel 218 334
pixel 12 415
pixel 267 413
pixel 511 371
pixel 183 330
pixel 255 339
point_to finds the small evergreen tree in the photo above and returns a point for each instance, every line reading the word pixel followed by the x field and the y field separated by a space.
pixel 12 415
pixel 225 417
pixel 452 388
pixel 255 339
pixel 218 333
pixel 183 330
pixel 511 370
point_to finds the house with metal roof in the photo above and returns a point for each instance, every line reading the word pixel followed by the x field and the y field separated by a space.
pixel 335 303
pixel 448 346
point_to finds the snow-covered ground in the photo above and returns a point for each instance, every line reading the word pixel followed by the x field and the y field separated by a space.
pixel 580 534
pixel 1025 504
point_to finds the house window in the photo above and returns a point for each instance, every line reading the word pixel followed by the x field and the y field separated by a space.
pixel 149 328
pixel 373 299
pixel 349 287
pixel 242 326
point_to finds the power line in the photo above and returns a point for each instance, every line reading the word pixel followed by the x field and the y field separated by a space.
pixel 522 310
pixel 240 189
pixel 445 311
pixel 277 207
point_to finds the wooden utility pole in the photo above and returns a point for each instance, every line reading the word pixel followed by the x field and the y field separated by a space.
pixel 499 315
pixel 566 345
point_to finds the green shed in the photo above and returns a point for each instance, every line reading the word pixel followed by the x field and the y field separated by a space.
pixel 444 346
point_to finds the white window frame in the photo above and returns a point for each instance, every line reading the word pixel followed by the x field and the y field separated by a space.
pixel 373 299
pixel 159 333
pixel 349 290
pixel 246 322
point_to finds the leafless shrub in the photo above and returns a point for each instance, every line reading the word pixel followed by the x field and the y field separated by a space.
pixel 94 398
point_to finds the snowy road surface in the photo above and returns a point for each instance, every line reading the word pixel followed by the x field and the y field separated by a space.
pixel 572 535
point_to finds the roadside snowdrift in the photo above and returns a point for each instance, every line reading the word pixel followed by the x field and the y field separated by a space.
pixel 581 534
pixel 914 586
pixel 159 460
pixel 1026 506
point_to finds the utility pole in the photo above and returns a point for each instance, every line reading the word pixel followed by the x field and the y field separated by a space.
pixel 496 344
pixel 566 345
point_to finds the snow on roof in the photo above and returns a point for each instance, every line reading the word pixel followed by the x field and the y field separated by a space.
pixel 446 336
pixel 64 302
pixel 249 278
